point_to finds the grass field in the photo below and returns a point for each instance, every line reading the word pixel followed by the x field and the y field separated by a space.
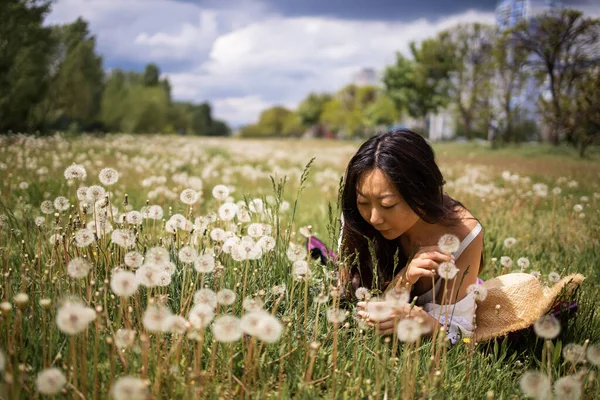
pixel 100 293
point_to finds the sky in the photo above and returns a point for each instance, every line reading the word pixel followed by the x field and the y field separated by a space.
pixel 244 56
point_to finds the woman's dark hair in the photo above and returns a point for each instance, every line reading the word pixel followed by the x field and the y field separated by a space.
pixel 409 161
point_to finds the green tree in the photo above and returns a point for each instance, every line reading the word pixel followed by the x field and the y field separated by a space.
pixel 563 46
pixel 586 118
pixel 311 108
pixel 151 75
pixel 25 51
pixel 271 122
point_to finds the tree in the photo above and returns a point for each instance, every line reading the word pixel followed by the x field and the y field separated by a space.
pixel 311 108
pixel 563 46
pixel 151 75
pixel 586 119
pixel 470 68
pixel 382 112
pixel 25 50
pixel 272 122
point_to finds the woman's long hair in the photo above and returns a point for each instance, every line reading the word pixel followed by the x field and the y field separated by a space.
pixel 409 161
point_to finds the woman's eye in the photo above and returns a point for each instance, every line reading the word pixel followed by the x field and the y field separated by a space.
pixel 388 207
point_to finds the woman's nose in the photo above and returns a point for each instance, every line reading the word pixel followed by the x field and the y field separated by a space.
pixel 375 218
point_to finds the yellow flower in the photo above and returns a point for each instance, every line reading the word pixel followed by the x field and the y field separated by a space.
pixel 466 340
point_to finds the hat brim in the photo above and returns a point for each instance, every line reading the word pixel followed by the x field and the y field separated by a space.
pixel 492 326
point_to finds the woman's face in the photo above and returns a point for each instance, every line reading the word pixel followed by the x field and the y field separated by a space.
pixel 381 205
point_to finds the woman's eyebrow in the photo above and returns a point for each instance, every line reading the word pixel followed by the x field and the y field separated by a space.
pixel 383 196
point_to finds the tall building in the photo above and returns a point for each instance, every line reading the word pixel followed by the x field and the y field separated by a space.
pixel 510 12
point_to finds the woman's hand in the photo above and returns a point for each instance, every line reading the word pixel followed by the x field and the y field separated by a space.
pixel 425 263
pixel 387 325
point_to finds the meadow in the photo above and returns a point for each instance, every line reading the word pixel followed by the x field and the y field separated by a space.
pixel 167 267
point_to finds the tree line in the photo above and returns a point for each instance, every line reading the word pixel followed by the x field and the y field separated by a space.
pixel 52 78
pixel 537 80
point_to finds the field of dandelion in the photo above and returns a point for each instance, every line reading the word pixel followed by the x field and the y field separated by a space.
pixel 173 267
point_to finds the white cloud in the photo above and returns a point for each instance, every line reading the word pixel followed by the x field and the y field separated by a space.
pixel 246 58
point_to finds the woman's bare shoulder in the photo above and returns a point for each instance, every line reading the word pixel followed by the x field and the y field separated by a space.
pixel 467 222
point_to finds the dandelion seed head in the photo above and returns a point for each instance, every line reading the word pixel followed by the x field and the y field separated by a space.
pixel 536 274
pixel 553 277
pixel 269 329
pixel 61 203
pixel 535 384
pixel 577 208
pixel 187 254
pixel 256 230
pixel 50 381
pixel 300 269
pixel 251 304
pixel 267 243
pixel 155 318
pixel 148 275
pixel 218 235
pixel 567 387
pixel 523 263
pixel 478 291
pixel 124 283
pixel 449 243
pixel 130 388
pixel 226 297
pixel 204 263
pixel 408 330
pixel 75 171
pixel 250 322
pixel 447 270
pixel 2 361
pixel 205 296
pixel 200 316
pixel 78 268
pixel 227 211
pixel 108 176
pixel 124 338
pixel 21 299
pixel 176 324
pixel 593 354
pixel 189 196
pixel 556 191
pixel 378 310
pixel 95 193
pixel 84 237
pixel 336 316
pixel 278 290
pixel 220 192
pixel 134 218
pixel 123 238
pixel 509 242
pixel 362 294
pixel 296 252
pixel 547 327
pixel 227 329
pixel 157 255
pixel 134 259
pixel 574 353
pixel 256 206
pixel 73 317
pixel 506 262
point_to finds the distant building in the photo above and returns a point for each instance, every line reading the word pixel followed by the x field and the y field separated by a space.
pixel 365 77
pixel 510 12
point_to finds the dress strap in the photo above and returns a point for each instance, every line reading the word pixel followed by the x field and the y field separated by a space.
pixel 467 240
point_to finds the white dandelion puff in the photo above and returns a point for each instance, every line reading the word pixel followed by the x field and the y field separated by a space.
pixel 378 310
pixel 220 192
pixel 226 297
pixel 409 330
pixel 218 235
pixel 124 338
pixel 200 316
pixel 553 277
pixel 336 316
pixel 47 207
pixel 509 242
pixel 189 196
pixel 123 238
pixel 535 384
pixel 227 329
pixel 447 270
pixel 134 259
pixel 75 171
pixel 187 254
pixel 478 291
pixel 155 318
pixel 449 243
pixel 362 294
pixel 157 255
pixel 252 304
pixel 300 269
pixel 73 317
pixel 269 329
pixel 124 283
pixel 108 176
pixel 95 193
pixel 134 218
pixel 205 296
pixel 227 211
pixel 523 263
pixel 50 381
pixel 130 388
pixel 61 203
pixel 574 353
pixel 593 354
pixel 84 237
pixel 204 264
pixel 506 262
pixel 547 327
pixel 296 252
pixel 78 268
pixel 567 387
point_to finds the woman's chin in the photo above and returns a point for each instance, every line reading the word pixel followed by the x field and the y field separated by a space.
pixel 389 234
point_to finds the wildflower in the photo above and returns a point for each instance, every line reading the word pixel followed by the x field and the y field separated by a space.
pixel 506 262
pixel 134 259
pixel 269 329
pixel 227 329
pixel 187 254
pixel 362 294
pixel 5 306
pixel 577 208
pixel 189 196
pixel 82 193
pixel 535 384
pixel 553 277
pixel 593 354
pixel 267 243
pixel 50 381
pixel 509 242
pixel 220 192
pixel 478 291
pixel 84 237
pixel 75 171
pixel 249 323
pixel 227 211
pixel 300 269
pixel 108 176
pixel 39 221
pixel 205 264
pixel 296 252
pixel 21 299
pixel 201 315
pixel 252 304
pixel 336 316
pixel 567 387
pixel 226 297
pixel 45 303
pixel 572 184
pixel 408 330
pixel 321 298
pixel 176 324
pixel 157 255
pixel 61 203
pixel 78 268
pixel 547 327
pixel 574 353
pixel 397 297
pixel 124 338
pixel 155 318
pixel 134 218
pixel 447 270
pixel 148 275
pixel 205 296
pixel 73 317
pixel 378 310
pixel 130 388
pixel 556 191
pixel 243 215
pixel 278 290
pixel 285 206
pixel 523 263
pixel 218 235
pixel 124 283
pixel 256 230
pixel 163 279
pixel 123 238
pixel 95 193
pixel 449 243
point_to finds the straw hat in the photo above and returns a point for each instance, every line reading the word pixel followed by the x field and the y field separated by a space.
pixel 522 300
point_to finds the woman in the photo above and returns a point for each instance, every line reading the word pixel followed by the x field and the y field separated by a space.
pixel 393 198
